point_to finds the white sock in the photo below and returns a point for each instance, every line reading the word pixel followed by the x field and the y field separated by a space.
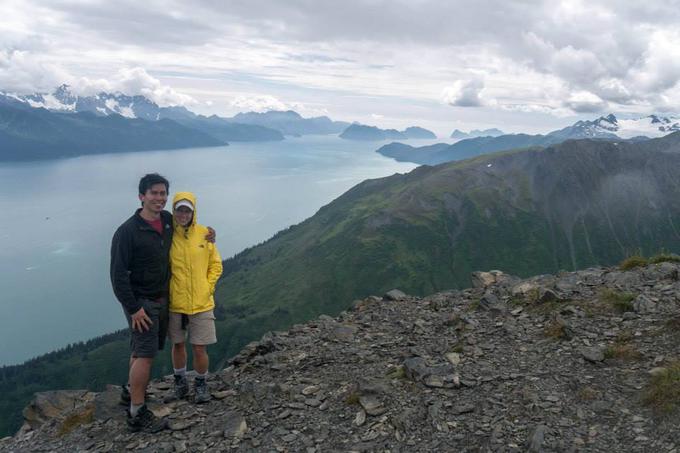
pixel 202 376
pixel 180 371
pixel 134 408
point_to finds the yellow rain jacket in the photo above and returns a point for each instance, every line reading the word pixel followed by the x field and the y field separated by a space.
pixel 195 265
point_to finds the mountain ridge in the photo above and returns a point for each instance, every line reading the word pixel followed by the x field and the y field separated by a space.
pixel 358 131
pixel 602 128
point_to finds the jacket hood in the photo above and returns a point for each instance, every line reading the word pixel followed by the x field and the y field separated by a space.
pixel 185 196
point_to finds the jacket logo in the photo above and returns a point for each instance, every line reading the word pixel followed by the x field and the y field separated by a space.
pixel 202 246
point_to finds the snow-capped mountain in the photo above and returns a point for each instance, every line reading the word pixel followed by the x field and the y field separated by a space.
pixel 102 104
pixel 612 127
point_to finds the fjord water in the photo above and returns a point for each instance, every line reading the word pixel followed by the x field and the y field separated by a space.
pixel 59 217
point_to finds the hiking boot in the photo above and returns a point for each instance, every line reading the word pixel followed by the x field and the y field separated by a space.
pixel 145 421
pixel 181 386
pixel 201 389
pixel 125 395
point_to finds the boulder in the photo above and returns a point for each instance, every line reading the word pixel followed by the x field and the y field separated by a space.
pixel 395 294
pixel 643 305
pixel 58 404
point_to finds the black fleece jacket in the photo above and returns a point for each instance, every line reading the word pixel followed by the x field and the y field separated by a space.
pixel 140 261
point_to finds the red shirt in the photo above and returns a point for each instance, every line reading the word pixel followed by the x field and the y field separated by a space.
pixel 156 225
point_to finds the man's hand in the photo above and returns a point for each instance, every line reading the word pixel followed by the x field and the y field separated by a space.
pixel 210 237
pixel 140 321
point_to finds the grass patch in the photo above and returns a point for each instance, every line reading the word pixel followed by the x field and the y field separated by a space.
pixel 555 330
pixel 632 262
pixel 622 351
pixel 396 373
pixel 587 394
pixel 664 258
pixel 474 305
pixel 662 393
pixel 459 348
pixel 353 398
pixel 673 324
pixel 619 301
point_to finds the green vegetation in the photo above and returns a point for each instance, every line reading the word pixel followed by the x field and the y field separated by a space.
pixel 555 330
pixel 352 398
pixel 619 301
pixel 637 260
pixel 632 262
pixel 664 258
pixel 396 373
pixel 622 351
pixel 662 393
pixel 587 394
pixel 622 348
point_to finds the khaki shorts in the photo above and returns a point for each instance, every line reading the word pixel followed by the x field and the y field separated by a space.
pixel 201 328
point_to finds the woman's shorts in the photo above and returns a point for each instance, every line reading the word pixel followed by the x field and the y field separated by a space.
pixel 200 328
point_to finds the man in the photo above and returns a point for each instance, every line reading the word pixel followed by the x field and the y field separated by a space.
pixel 140 272
pixel 140 275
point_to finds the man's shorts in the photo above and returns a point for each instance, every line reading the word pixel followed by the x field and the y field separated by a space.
pixel 201 328
pixel 146 344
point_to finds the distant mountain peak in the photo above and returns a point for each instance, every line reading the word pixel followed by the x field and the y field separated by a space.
pixel 610 126
pixel 493 132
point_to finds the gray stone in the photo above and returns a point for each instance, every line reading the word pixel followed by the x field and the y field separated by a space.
pixel 535 444
pixel 415 368
pixel 593 354
pixel 643 305
pixel 464 408
pixel 372 405
pixel 235 425
pixel 395 294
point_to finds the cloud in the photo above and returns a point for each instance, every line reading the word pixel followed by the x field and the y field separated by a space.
pixel 585 102
pixel 260 103
pixel 624 54
pixel 21 72
pixel 132 82
pixel 464 93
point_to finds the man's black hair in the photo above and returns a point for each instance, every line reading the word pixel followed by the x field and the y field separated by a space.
pixel 151 179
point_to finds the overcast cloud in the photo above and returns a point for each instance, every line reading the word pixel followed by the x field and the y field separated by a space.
pixel 480 63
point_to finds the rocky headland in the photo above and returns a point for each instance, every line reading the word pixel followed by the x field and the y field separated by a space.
pixel 578 361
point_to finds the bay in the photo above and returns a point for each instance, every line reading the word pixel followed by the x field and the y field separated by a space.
pixel 59 217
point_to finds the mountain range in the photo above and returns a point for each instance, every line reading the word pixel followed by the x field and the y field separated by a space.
pixel 604 128
pixel 371 133
pixel 28 133
pixel 562 207
pixel 135 123
pixel 291 123
pixel 458 134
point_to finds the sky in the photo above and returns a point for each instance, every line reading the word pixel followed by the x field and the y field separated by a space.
pixel 521 66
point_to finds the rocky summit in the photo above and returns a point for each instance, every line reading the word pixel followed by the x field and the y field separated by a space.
pixel 553 363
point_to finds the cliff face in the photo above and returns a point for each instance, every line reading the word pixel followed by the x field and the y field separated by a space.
pixel 551 363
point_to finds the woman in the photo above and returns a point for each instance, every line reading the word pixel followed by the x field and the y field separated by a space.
pixel 196 265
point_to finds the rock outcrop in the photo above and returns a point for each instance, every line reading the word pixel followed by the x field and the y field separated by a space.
pixel 550 363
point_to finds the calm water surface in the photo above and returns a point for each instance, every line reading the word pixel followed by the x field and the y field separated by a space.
pixel 59 217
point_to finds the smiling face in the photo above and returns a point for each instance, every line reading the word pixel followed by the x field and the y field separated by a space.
pixel 153 201
pixel 183 215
